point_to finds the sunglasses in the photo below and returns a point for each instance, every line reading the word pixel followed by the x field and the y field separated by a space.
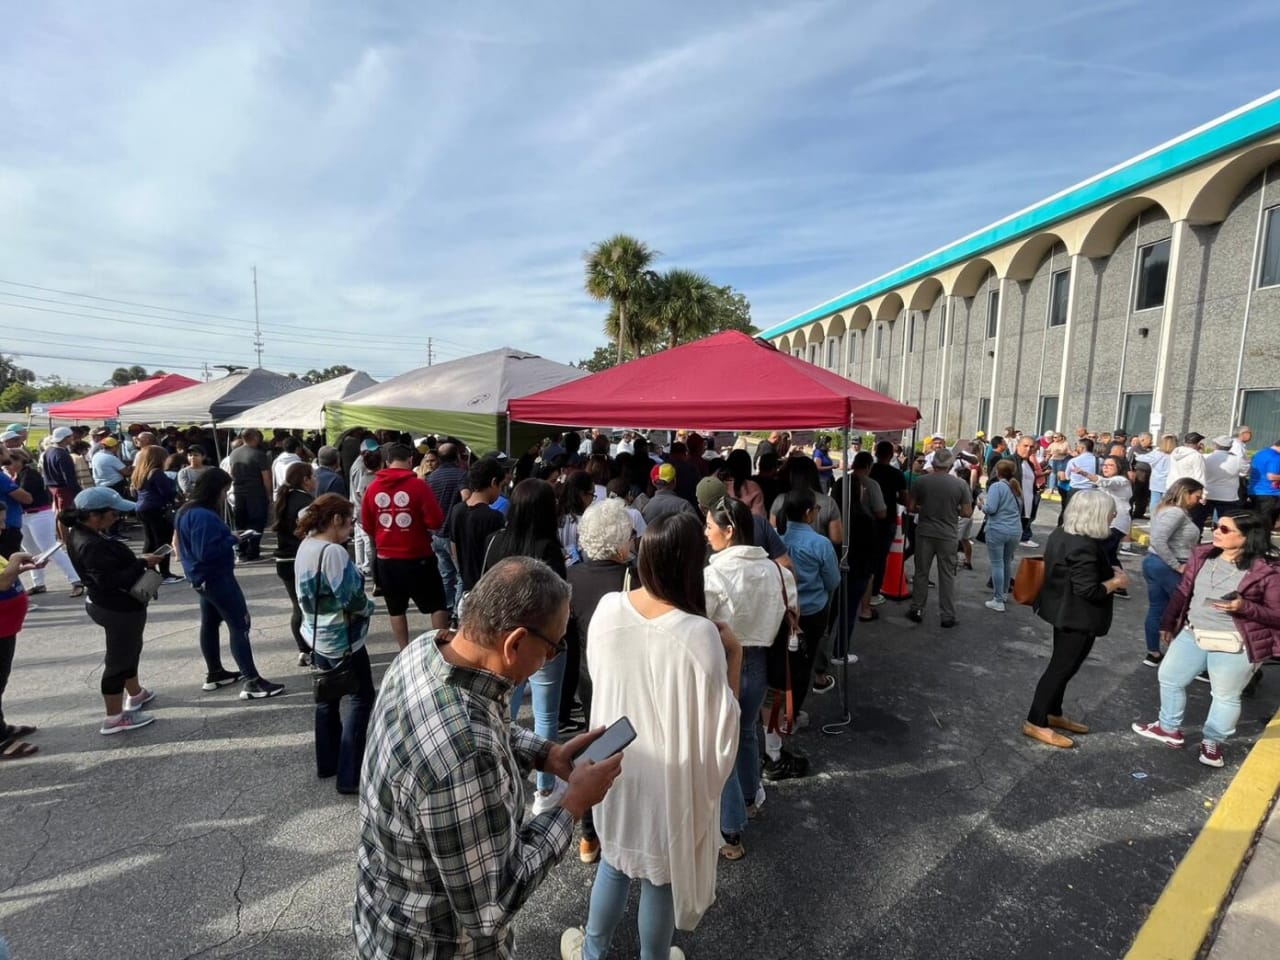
pixel 557 646
pixel 1223 528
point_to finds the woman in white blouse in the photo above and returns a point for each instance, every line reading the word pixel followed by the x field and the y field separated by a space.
pixel 657 660
pixel 750 593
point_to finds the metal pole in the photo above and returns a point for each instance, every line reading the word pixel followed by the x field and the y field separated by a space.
pixel 257 327
pixel 842 595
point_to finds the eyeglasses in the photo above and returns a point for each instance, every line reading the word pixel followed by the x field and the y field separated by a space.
pixel 557 646
pixel 1223 528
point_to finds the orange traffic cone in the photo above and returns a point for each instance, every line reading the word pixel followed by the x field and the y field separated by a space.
pixel 895 585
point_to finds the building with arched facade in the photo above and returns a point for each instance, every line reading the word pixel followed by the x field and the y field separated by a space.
pixel 1146 297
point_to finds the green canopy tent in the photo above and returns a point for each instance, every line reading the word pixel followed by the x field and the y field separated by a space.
pixel 464 398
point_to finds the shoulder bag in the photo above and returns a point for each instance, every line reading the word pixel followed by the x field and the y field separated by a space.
pixel 786 643
pixel 1029 581
pixel 147 587
pixel 338 681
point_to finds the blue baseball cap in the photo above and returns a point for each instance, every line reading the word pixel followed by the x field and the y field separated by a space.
pixel 369 444
pixel 103 498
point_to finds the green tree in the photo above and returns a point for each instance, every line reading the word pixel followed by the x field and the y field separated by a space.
pixel 11 373
pixel 682 307
pixel 57 390
pixel 17 397
pixel 328 373
pixel 617 270
pixel 122 376
pixel 603 358
pixel 733 312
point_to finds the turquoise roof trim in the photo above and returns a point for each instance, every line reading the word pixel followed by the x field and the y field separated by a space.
pixel 1233 130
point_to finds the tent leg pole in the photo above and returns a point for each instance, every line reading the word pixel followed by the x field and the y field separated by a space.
pixel 842 594
pixel 507 449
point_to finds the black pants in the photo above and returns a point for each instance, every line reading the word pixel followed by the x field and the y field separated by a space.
pixel 7 646
pixel 887 529
pixel 572 669
pixel 813 626
pixel 1141 497
pixel 1221 507
pixel 1070 647
pixel 124 644
pixel 1269 507
pixel 1066 498
pixel 10 541
pixel 1200 514
pixel 251 514
pixel 158 531
pixel 284 570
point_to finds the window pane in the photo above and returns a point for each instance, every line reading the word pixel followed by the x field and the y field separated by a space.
pixel 1048 414
pixel 912 319
pixel 1137 413
pixel 1058 291
pixel 942 327
pixel 1270 275
pixel 1261 410
pixel 1153 271
pixel 879 340
pixel 984 412
pixel 993 313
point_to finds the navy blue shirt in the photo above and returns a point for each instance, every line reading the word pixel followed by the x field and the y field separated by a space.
pixel 208 546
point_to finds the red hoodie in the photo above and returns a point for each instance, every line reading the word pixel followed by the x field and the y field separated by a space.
pixel 399 512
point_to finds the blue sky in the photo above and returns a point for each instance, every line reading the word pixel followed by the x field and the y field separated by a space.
pixel 439 169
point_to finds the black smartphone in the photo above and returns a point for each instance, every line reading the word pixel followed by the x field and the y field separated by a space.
pixel 614 740
pixel 1226 597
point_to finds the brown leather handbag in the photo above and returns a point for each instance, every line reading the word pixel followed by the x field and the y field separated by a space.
pixel 1029 581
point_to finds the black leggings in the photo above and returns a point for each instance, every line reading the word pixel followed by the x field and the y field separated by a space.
pixel 158 531
pixel 1070 648
pixel 813 626
pixel 7 647
pixel 284 570
pixel 124 645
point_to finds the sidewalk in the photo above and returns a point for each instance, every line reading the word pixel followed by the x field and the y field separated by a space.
pixel 1251 924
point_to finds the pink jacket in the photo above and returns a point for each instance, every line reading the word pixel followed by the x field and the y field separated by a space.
pixel 1258 618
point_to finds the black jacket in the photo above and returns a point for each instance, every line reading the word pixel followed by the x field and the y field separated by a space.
pixel 1073 596
pixel 107 568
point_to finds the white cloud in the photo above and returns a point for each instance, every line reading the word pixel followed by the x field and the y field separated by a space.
pixel 404 172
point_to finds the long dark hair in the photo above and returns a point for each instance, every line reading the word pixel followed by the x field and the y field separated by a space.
pixel 574 486
pixel 802 472
pixel 672 554
pixel 531 518
pixel 294 478
pixel 739 466
pixel 1257 537
pixel 732 512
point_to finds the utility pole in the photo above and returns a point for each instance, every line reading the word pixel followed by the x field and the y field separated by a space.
pixel 257 326
pixel 204 372
pixel 430 357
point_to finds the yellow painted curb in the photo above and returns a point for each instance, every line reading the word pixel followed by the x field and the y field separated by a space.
pixel 1184 915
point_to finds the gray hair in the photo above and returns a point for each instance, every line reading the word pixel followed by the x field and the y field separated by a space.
pixel 1089 514
pixel 327 456
pixel 516 592
pixel 604 529
pixel 943 459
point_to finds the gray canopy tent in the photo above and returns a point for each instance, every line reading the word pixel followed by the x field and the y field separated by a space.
pixel 302 409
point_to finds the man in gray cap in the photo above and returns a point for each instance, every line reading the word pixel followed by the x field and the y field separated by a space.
pixel 941 499
pixel 1222 478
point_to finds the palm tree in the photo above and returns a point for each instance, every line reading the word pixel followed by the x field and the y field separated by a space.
pixel 684 306
pixel 617 269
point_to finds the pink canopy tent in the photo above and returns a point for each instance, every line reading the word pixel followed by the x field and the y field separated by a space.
pixel 728 381
pixel 107 404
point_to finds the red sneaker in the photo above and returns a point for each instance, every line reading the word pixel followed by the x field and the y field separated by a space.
pixel 1211 754
pixel 1153 731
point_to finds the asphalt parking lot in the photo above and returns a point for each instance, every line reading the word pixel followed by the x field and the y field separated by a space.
pixel 929 827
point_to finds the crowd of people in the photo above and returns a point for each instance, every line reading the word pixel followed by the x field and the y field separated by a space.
pixel 693 591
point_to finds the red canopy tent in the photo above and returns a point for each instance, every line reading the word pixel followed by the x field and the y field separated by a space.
pixel 728 381
pixel 107 404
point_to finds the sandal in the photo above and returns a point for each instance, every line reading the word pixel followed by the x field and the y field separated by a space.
pixel 15 749
pixel 12 733
pixel 77 590
pixel 36 591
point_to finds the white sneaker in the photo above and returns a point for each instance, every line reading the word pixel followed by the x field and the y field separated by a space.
pixel 996 605
pixel 141 700
pixel 877 599
pixel 1028 543
pixel 542 802
pixel 802 719
pixel 571 942
pixel 759 800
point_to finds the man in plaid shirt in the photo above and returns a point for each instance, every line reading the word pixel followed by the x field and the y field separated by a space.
pixel 448 852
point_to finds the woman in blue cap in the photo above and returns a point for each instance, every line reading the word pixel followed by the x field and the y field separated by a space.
pixel 109 569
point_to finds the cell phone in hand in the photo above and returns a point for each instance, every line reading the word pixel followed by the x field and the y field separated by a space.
pixel 614 740
pixel 41 559
pixel 1226 597
pixel 163 550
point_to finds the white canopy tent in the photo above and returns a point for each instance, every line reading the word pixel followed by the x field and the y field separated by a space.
pixel 302 409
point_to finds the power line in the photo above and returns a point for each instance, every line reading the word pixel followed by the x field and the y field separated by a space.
pixel 270 325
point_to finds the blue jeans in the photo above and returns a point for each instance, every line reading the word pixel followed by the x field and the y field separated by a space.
pixel 340 743
pixel 1228 673
pixel 740 789
pixel 221 601
pixel 448 572
pixel 546 684
pixel 1000 549
pixel 1162 581
pixel 657 920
